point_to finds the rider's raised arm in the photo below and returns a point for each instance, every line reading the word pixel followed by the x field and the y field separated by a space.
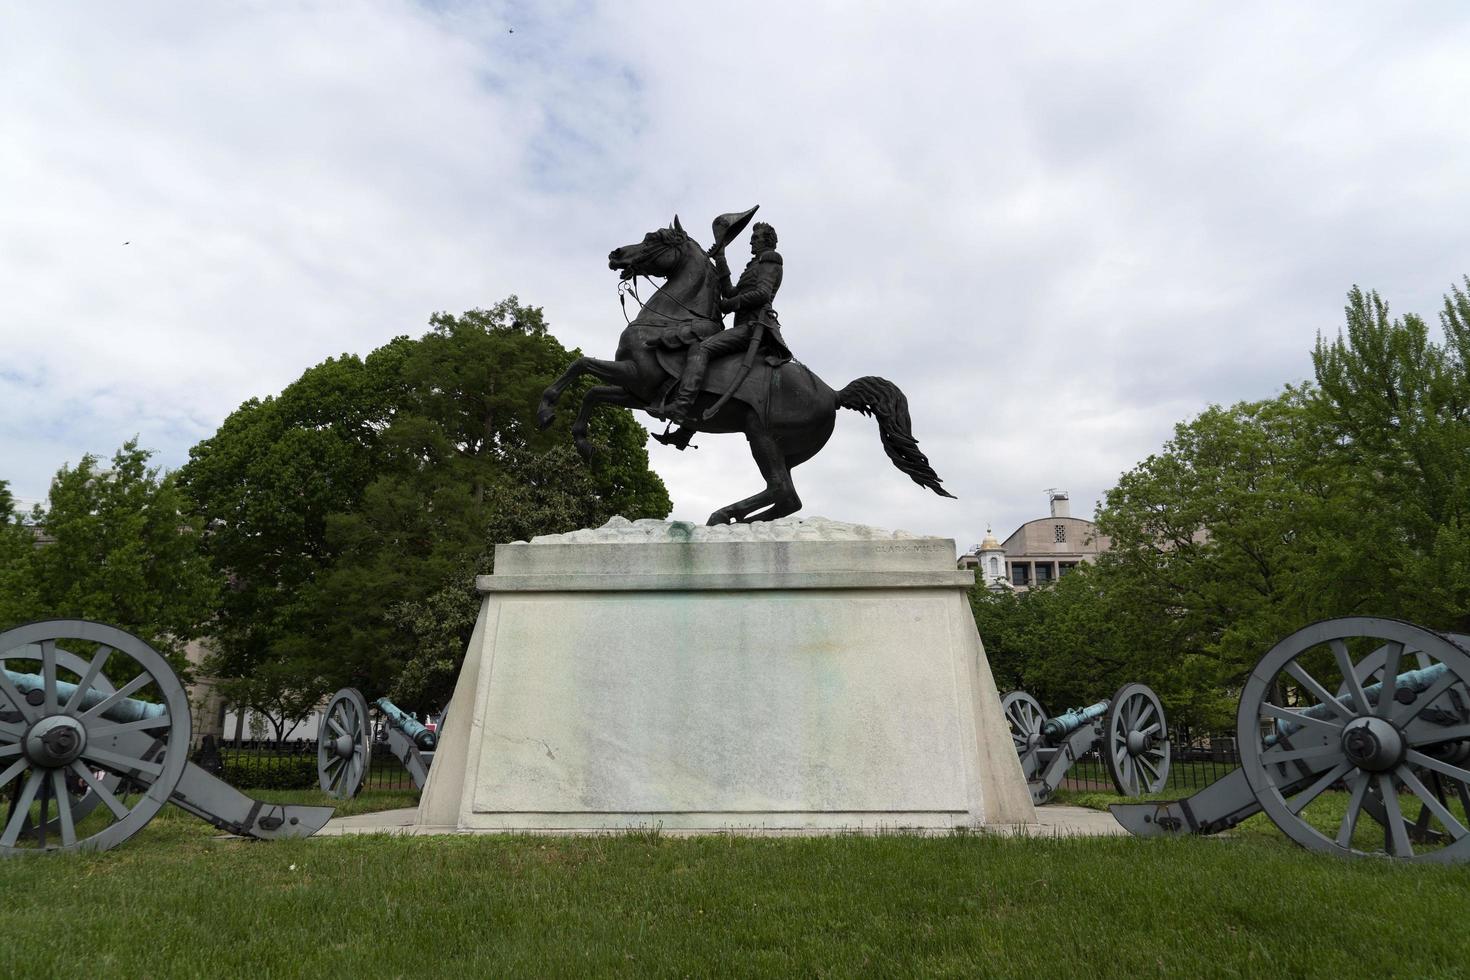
pixel 727 288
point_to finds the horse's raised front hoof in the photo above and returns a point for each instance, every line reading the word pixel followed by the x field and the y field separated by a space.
pixel 545 415
pixel 584 448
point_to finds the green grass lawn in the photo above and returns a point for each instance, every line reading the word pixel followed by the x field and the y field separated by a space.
pixel 175 901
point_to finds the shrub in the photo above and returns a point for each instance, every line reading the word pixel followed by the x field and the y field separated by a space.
pixel 261 770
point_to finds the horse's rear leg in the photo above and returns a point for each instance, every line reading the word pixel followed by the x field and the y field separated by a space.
pixel 601 395
pixel 621 373
pixel 780 493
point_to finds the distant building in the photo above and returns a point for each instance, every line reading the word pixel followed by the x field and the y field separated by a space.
pixel 1039 551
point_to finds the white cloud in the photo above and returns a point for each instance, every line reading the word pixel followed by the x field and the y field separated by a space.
pixel 1060 229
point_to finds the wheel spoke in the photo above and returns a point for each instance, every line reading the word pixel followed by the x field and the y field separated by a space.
pixel 48 683
pixel 130 688
pixel 16 767
pixel 1295 669
pixel 1398 834
pixel 1430 762
pixel 1435 736
pixel 13 695
pixel 118 808
pixel 63 808
pixel 1354 807
pixel 332 724
pixel 123 765
pixel 1277 755
pixel 1390 679
pixel 1297 802
pixel 21 811
pixel 45 806
pixel 85 684
pixel 9 750
pixel 1446 819
pixel 1150 730
pixel 1295 716
pixel 1350 676
pixel 1143 761
pixel 142 725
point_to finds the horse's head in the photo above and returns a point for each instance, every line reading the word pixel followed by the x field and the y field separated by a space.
pixel 661 253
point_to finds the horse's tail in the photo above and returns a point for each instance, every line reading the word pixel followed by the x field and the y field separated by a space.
pixel 881 398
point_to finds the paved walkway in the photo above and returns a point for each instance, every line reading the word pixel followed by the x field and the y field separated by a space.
pixel 1053 820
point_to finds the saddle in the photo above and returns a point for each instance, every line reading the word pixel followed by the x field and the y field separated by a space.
pixel 754 391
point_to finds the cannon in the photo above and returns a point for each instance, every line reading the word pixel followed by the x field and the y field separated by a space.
pixel 1345 718
pixel 344 743
pixel 94 743
pixel 1129 729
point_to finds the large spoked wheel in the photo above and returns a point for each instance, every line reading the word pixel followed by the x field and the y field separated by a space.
pixel 1137 744
pixel 61 726
pixel 344 745
pixel 1024 716
pixel 83 801
pixel 1390 748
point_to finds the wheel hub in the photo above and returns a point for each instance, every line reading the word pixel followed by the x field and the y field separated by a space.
pixel 1137 743
pixel 1373 744
pixel 55 741
pixel 344 746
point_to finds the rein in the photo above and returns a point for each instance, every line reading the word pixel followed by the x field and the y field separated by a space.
pixel 630 285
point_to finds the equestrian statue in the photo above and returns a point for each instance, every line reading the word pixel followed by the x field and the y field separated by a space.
pixel 679 363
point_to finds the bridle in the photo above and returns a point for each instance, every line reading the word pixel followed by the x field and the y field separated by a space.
pixel 630 286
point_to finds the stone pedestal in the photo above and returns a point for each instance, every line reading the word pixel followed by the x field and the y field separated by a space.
pixel 795 675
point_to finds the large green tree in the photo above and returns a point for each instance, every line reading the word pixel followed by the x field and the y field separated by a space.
pixel 1398 404
pixel 1350 496
pixel 117 545
pixel 16 544
pixel 353 510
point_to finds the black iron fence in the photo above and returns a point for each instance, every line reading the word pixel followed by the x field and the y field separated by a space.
pixel 266 764
pixel 1196 761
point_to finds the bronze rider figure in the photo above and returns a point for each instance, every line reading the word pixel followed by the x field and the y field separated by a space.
pixel 750 299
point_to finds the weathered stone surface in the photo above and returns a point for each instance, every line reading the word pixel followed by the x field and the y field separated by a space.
pixel 620 530
pixel 826 676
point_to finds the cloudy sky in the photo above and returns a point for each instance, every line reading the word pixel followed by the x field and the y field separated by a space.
pixel 1060 228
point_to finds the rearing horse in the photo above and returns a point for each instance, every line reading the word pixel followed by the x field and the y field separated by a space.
pixel 785 411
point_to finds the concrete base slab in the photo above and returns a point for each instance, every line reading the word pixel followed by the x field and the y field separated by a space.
pixel 795 676
pixel 1053 820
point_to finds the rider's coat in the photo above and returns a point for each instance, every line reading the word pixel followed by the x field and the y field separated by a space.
pixel 750 299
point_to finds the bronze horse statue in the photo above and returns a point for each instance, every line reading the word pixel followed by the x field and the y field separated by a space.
pixel 785 411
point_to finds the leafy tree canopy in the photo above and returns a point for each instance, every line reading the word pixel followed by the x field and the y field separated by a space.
pixel 118 547
pixel 353 510
pixel 1350 496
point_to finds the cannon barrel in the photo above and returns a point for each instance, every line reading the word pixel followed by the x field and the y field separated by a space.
pixel 124 709
pixel 1417 681
pixel 1058 728
pixel 407 724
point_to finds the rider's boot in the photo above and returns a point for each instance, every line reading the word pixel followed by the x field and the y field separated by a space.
pixel 681 409
pixel 679 438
